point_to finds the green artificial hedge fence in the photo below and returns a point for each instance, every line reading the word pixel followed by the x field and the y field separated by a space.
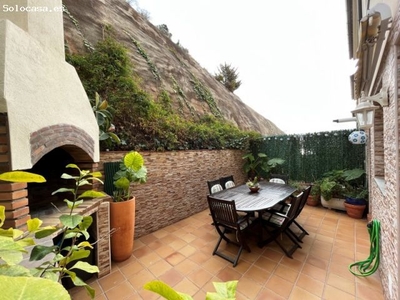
pixel 308 156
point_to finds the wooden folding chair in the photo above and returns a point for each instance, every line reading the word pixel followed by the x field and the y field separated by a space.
pixel 277 224
pixel 227 221
pixel 302 231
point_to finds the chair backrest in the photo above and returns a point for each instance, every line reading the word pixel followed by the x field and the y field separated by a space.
pixel 223 212
pixel 303 201
pixel 277 180
pixel 282 177
pixel 214 186
pixel 294 206
pixel 227 182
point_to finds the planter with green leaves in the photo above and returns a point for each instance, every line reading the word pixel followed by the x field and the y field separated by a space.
pixel 339 184
pixel 314 199
pixel 260 165
pixel 123 206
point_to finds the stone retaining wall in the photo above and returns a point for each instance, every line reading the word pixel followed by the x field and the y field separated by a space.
pixel 176 186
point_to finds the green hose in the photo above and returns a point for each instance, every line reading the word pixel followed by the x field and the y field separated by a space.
pixel 370 265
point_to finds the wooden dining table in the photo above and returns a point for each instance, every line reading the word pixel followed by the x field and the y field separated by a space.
pixel 267 196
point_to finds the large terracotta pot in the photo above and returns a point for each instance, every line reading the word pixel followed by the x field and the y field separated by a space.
pixel 122 223
pixel 355 211
pixel 313 200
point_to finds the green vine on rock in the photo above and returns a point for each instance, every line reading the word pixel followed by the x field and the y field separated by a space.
pixel 204 94
pixel 182 95
pixel 87 44
pixel 143 53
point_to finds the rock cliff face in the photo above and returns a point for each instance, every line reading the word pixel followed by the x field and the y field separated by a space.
pixel 160 62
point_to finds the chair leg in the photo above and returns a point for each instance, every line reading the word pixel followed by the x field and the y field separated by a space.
pixel 290 251
pixel 297 237
pixel 242 244
pixel 301 228
pixel 292 238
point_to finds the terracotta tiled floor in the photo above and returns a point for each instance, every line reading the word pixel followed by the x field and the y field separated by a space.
pixel 180 255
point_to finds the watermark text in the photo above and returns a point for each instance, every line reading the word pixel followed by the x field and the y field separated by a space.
pixel 20 8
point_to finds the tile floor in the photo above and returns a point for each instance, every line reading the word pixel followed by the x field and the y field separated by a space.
pixel 180 255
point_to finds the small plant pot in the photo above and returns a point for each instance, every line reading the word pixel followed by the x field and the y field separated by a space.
pixel 254 189
pixel 313 201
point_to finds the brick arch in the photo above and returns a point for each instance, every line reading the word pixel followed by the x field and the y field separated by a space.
pixel 77 142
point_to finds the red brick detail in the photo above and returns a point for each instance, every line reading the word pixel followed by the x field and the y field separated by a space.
pixel 14 204
pixel 49 138
pixel 12 186
pixel 13 195
pixel 16 223
pixel 17 213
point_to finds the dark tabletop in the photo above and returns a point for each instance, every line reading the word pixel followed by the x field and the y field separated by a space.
pixel 267 196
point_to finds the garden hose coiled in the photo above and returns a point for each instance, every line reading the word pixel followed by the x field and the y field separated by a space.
pixel 368 266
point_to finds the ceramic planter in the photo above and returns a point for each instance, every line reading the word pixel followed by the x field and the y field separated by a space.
pixel 334 203
pixel 122 223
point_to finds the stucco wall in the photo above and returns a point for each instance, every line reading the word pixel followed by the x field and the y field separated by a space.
pixel 384 201
pixel 177 184
pixel 38 88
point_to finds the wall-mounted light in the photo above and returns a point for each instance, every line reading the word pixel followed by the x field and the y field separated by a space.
pixel 365 110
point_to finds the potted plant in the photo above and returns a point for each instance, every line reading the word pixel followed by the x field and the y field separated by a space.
pixel 253 185
pixel 122 208
pixel 254 165
pixel 315 194
pixel 356 195
pixel 338 184
pixel 313 198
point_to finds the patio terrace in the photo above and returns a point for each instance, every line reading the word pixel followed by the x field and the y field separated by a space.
pixel 180 255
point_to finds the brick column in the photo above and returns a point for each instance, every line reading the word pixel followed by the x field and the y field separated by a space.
pixel 14 197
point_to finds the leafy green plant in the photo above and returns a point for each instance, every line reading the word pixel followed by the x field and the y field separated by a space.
pixel 299 185
pixel 260 165
pixel 224 291
pixel 344 183
pixel 131 170
pixel 316 189
pixel 23 283
pixel 104 116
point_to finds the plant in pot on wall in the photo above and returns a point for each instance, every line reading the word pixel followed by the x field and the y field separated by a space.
pixel 122 208
pixel 253 166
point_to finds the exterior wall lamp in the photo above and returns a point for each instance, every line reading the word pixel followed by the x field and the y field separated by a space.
pixel 365 110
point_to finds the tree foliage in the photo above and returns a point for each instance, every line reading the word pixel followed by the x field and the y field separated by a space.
pixel 228 76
